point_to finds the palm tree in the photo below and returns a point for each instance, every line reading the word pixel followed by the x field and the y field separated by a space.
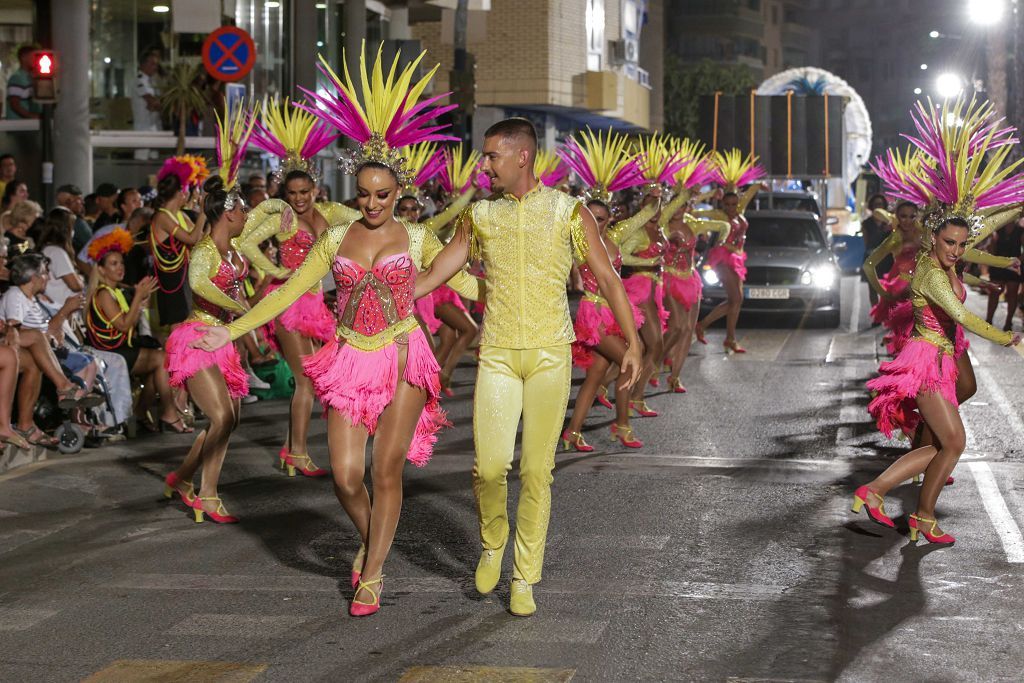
pixel 181 96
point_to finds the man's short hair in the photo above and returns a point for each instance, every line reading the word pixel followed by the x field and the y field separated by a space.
pixel 513 128
pixel 5 156
pixel 66 189
pixel 25 266
pixel 26 48
pixel 106 190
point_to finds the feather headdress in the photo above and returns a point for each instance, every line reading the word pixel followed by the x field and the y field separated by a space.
pixel 733 170
pixel 698 168
pixel 293 135
pixel 603 162
pixel 118 239
pixel 966 167
pixel 660 162
pixel 458 170
pixel 549 168
pixel 190 169
pixel 902 175
pixel 390 116
pixel 423 161
pixel 231 142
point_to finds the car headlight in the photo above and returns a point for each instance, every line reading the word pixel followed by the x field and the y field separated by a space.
pixel 805 277
pixel 711 277
pixel 823 276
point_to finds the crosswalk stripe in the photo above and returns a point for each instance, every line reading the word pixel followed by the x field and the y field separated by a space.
pixel 995 505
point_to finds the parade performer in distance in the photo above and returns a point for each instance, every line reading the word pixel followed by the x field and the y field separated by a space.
pixel 683 284
pixel 378 376
pixel 920 383
pixel 605 165
pixel 728 259
pixel 526 235
pixel 215 379
pixel 295 221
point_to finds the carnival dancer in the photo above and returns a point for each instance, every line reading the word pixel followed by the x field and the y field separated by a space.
pixel 295 220
pixel 728 259
pixel 378 377
pixel 526 235
pixel 683 284
pixel 442 312
pixel 920 383
pixel 215 379
pixel 605 166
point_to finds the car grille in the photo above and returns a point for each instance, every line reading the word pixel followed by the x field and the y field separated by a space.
pixel 772 275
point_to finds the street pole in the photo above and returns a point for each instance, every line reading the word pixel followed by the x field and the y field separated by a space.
pixel 46 147
pixel 460 65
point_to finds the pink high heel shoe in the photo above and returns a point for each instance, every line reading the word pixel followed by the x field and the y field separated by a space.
pixel 358 562
pixel 917 525
pixel 624 435
pixel 171 482
pixel 862 498
pixel 365 609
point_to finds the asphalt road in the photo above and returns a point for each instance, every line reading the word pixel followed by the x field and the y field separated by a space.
pixel 724 550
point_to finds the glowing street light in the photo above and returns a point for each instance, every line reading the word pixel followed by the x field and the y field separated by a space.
pixel 985 12
pixel 924 67
pixel 934 34
pixel 917 91
pixel 948 85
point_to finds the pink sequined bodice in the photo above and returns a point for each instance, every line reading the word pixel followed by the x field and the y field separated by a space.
pixel 370 301
pixel 905 260
pixel 589 281
pixel 654 248
pixel 737 233
pixel 228 280
pixel 293 251
pixel 936 319
pixel 679 255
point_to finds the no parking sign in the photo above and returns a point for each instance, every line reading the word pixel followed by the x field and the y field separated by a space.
pixel 229 53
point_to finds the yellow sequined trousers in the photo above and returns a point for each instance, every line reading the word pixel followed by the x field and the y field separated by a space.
pixel 533 384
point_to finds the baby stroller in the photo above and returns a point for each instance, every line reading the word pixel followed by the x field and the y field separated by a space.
pixel 94 415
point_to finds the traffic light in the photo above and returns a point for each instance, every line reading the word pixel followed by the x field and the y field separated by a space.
pixel 44 74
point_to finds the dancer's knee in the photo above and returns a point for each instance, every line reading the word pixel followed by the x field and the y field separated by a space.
pixel 348 481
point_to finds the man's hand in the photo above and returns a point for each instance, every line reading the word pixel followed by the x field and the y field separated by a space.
pixel 632 362
pixel 75 302
pixel 214 337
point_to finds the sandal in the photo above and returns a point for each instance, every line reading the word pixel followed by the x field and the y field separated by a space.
pixel 37 437
pixel 77 397
pixel 168 425
pixel 17 440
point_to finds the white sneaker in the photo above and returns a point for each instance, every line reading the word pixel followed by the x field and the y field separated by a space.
pixel 257 383
pixel 249 398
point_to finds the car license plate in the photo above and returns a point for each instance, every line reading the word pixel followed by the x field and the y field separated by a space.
pixel 767 293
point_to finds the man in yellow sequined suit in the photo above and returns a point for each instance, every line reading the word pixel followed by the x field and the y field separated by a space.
pixel 527 235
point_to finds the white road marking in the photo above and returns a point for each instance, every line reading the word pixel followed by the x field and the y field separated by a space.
pixel 1006 527
pixel 998 397
pixel 855 309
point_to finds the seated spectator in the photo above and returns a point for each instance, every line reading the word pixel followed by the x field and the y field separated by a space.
pixel 8 381
pixel 8 171
pixel 15 192
pixel 69 198
pixel 106 199
pixel 55 244
pixel 112 325
pixel 128 200
pixel 20 310
pixel 137 260
pixel 22 217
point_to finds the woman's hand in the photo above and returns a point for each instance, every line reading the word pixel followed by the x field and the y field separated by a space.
pixel 1015 340
pixel 146 288
pixel 214 337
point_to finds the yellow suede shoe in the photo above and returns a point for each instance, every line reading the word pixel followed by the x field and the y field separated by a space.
pixel 521 602
pixel 488 570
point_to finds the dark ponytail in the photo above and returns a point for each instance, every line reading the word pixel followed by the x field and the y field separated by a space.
pixel 215 198
pixel 168 186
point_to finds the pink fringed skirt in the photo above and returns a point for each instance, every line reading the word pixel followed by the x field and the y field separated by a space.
pixel 182 361
pixel 882 312
pixel 685 290
pixel 920 366
pixel 640 289
pixel 361 384
pixel 446 295
pixel 424 310
pixel 593 323
pixel 736 262
pixel 308 316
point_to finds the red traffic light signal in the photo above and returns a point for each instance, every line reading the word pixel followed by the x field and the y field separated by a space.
pixel 44 64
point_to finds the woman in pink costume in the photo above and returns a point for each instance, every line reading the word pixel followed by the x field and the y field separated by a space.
pixel 377 376
pixel 605 166
pixel 442 311
pixel 295 220
pixel 215 379
pixel 920 384
pixel 728 258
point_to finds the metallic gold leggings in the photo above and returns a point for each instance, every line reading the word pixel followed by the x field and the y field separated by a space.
pixel 534 384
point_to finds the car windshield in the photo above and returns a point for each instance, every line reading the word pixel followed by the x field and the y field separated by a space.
pixel 783 232
pixel 794 204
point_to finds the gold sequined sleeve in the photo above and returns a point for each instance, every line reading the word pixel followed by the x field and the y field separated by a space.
pixel 624 229
pixel 462 282
pixel 974 280
pixel 336 214
pixel 313 269
pixel 204 262
pixel 717 214
pixel 700 225
pixel 986 259
pixel 883 216
pixel 890 245
pixel 578 234
pixel 437 223
pixel 703 196
pixel 993 222
pixel 670 209
pixel 748 196
pixel 262 223
pixel 937 289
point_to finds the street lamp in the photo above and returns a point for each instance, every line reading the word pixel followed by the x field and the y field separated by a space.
pixel 985 12
pixel 948 85
pixel 924 67
pixel 934 34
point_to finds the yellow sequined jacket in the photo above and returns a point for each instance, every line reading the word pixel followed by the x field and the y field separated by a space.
pixel 527 246
pixel 204 264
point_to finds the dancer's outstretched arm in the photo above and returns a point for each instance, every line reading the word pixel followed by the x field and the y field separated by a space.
pixel 263 222
pixel 890 245
pixel 450 260
pixel 438 222
pixel 936 288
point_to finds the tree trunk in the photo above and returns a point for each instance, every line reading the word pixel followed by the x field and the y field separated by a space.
pixel 181 130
